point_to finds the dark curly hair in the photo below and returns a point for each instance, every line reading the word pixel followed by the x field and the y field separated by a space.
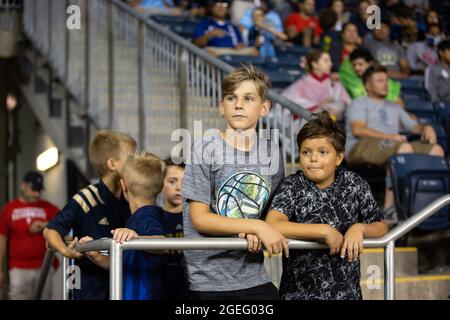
pixel 322 126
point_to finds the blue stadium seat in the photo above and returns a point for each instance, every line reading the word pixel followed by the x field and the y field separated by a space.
pixel 424 110
pixel 418 180
pixel 280 80
pixel 236 60
pixel 413 87
pixel 297 51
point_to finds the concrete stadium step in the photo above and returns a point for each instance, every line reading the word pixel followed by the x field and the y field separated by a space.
pixel 406 261
pixel 419 287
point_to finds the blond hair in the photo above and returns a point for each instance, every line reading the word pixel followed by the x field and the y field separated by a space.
pixel 246 72
pixel 107 145
pixel 143 174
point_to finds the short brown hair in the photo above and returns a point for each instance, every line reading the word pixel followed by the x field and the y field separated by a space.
pixel 107 145
pixel 246 72
pixel 143 174
pixel 177 162
pixel 322 126
pixel 372 70
pixel 313 56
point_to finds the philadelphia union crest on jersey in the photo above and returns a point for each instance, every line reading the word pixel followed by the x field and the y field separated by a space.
pixel 243 195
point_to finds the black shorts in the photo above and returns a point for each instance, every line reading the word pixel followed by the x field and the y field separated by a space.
pixel 266 291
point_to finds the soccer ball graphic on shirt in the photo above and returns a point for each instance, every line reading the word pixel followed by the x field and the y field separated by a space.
pixel 243 195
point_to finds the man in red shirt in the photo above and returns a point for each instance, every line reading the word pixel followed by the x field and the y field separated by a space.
pixel 21 223
pixel 303 27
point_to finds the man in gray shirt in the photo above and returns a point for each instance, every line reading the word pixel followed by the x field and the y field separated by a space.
pixel 374 124
pixel 388 54
pixel 437 78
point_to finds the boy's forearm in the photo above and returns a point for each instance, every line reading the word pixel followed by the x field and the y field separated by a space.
pixel 375 229
pixel 293 230
pixel 55 241
pixel 102 261
pixel 214 224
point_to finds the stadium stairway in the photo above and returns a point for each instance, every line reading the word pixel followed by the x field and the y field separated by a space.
pixel 410 285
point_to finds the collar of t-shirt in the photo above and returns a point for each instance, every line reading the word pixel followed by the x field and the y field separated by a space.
pixel 321 78
pixel 338 175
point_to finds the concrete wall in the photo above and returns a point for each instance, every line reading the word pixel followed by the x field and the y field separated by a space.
pixel 33 141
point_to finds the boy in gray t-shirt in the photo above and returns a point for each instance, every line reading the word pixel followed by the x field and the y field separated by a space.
pixel 229 179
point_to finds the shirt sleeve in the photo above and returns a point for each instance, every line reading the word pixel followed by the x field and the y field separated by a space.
pixel 406 121
pixel 197 176
pixel 200 30
pixel 368 208
pixel 150 226
pixel 284 198
pixel 291 21
pixel 431 80
pixel 356 111
pixel 67 218
pixel 238 34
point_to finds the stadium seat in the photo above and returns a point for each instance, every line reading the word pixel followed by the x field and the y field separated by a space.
pixel 293 50
pixel 417 180
pixel 413 87
pixel 424 110
pixel 236 60
pixel 280 80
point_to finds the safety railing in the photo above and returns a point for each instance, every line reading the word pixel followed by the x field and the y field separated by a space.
pixel 116 249
pixel 136 76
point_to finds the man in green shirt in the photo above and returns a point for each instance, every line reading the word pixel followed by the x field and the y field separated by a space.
pixel 352 69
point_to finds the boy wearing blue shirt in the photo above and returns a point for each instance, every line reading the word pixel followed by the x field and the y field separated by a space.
pixel 174 278
pixel 142 180
pixel 96 211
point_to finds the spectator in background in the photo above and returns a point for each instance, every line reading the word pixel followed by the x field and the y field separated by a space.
pixel 423 54
pixel 238 7
pixel 431 18
pixel 338 6
pixel 21 223
pixel 360 18
pixel 352 70
pixel 437 78
pixel 263 35
pixel 327 21
pixel 217 35
pixel 303 27
pixel 283 8
pixel 374 126
pixel 174 275
pixel 420 6
pixel 348 41
pixel 316 90
pixel 404 28
pixel 271 18
pixel 388 54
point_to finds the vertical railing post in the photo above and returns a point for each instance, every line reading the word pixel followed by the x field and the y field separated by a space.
pixel 87 84
pixel 389 271
pixel 141 84
pixel 183 76
pixel 115 271
pixel 111 29
pixel 65 287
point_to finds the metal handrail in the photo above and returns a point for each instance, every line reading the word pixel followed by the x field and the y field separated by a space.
pixel 388 241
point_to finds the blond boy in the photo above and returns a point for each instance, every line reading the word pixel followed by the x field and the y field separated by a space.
pixel 229 179
pixel 96 211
